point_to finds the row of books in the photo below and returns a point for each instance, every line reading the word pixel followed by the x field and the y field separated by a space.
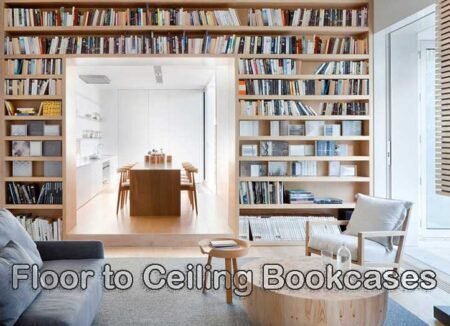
pixel 34 67
pixel 344 108
pixel 251 193
pixel 20 17
pixel 41 228
pixel 268 66
pixel 274 168
pixel 343 67
pixel 283 148
pixel 273 192
pixel 275 108
pixel 308 17
pixel 283 228
pixel 46 108
pixel 24 193
pixel 183 44
pixel 303 87
pixel 33 87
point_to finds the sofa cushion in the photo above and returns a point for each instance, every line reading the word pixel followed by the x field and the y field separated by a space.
pixel 373 251
pixel 377 214
pixel 67 307
pixel 11 229
pixel 13 302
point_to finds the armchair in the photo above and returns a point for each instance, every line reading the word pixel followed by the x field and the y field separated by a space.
pixel 375 226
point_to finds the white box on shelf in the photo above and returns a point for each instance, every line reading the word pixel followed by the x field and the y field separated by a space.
pixel 332 130
pixel 249 150
pixel 22 169
pixel 348 170
pixel 249 128
pixel 51 130
pixel 334 168
pixel 314 128
pixel 19 130
pixel 35 148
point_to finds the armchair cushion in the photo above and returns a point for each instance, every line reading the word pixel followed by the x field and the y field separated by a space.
pixel 377 214
pixel 373 251
pixel 11 229
pixel 13 302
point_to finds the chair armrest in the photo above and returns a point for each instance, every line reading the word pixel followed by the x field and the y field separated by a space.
pixel 59 250
pixel 372 234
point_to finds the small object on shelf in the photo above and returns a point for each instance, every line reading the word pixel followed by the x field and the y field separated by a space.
pixel 52 148
pixel 25 112
pixel 334 168
pixel 348 170
pixel 296 130
pixel 50 108
pixel 332 130
pixel 299 196
pixel 314 128
pixel 249 150
pixel 20 148
pixel 51 130
pixel 301 150
pixel 19 130
pixel 35 148
pixel 327 200
pixel 274 148
pixel 52 169
pixel 22 169
pixel 278 169
pixel 352 128
pixel 10 109
pixel 36 128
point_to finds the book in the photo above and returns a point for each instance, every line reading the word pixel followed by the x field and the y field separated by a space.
pixel 223 243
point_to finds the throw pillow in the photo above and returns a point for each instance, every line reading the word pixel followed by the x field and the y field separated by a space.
pixel 377 214
pixel 13 302
pixel 11 229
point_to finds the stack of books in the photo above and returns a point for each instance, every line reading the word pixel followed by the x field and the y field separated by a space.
pixel 299 196
pixel 41 228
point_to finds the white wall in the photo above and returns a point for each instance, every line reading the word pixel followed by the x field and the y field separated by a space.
pixel 155 119
pixel 110 103
pixel 210 136
pixel 388 12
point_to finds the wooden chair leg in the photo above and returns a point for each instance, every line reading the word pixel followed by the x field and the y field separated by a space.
pixel 191 199
pixel 228 284
pixel 118 201
pixel 195 200
pixel 235 269
pixel 206 274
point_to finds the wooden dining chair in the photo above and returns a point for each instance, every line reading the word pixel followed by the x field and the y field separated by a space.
pixel 124 185
pixel 188 184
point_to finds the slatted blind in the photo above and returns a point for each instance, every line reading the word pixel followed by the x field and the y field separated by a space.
pixel 443 97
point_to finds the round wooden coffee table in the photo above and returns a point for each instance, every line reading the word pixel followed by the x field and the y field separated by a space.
pixel 311 307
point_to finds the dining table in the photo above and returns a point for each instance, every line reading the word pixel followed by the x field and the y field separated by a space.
pixel 155 189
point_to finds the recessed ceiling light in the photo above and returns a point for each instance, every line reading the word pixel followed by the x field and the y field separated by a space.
pixel 95 79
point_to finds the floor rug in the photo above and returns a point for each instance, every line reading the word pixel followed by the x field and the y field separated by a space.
pixel 141 306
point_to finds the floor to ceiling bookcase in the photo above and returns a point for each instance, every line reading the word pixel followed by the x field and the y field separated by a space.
pixel 361 152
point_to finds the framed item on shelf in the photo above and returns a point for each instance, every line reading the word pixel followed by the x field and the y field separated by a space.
pixel 249 150
pixel 332 130
pixel 296 130
pixel 51 130
pixel 35 148
pixel 19 130
pixel 278 169
pixel 314 128
pixel 351 128
pixel 334 168
pixel 20 148
pixel 22 169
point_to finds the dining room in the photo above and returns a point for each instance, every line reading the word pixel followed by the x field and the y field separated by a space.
pixel 154 149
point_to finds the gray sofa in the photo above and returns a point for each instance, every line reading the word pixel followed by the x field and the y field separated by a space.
pixel 67 307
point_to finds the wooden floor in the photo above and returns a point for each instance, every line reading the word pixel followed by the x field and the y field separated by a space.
pixel 420 303
pixel 98 220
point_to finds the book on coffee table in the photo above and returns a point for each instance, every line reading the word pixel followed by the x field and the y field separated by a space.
pixel 223 243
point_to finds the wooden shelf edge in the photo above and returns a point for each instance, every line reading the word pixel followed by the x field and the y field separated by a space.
pixel 34 206
pixel 31 117
pixel 301 76
pixel 34 179
pixel 303 158
pixel 31 138
pixel 304 117
pixel 33 77
pixel 305 138
pixel 34 158
pixel 305 179
pixel 297 206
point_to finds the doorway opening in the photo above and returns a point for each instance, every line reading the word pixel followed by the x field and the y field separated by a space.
pixel 183 108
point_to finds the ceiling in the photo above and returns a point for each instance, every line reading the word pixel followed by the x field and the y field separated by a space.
pixel 138 73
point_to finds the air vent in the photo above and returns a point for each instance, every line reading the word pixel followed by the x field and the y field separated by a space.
pixel 95 79
pixel 158 74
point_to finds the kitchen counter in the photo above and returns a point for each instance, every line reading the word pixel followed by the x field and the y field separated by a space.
pixel 86 161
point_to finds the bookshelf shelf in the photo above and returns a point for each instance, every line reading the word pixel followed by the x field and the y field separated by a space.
pixel 304 158
pixel 42 30
pixel 33 97
pixel 31 138
pixel 27 206
pixel 33 77
pixel 294 77
pixel 303 117
pixel 306 179
pixel 297 206
pixel 34 158
pixel 307 138
pixel 32 117
pixel 307 57
pixel 34 179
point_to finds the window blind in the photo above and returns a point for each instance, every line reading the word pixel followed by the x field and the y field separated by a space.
pixel 443 97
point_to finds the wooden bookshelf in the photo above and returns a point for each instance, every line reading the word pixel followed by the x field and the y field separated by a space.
pixel 362 154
